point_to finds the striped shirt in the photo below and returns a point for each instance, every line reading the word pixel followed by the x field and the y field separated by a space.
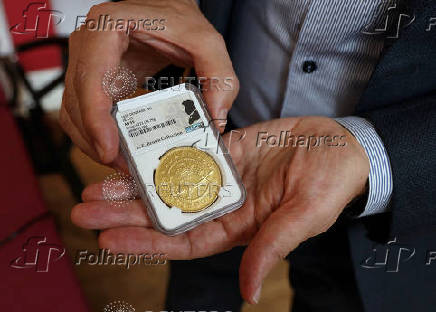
pixel 310 57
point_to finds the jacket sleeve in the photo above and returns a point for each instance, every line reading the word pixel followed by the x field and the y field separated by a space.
pixel 408 131
pixel 400 102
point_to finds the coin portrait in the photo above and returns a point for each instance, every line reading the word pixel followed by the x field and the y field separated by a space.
pixel 187 178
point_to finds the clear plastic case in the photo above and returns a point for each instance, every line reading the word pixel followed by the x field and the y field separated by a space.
pixel 169 120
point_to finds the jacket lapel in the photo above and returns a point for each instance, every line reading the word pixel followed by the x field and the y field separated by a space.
pixel 406 68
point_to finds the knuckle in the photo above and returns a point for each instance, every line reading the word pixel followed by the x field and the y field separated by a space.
pixel 181 6
pixel 212 38
pixel 235 85
pixel 100 9
pixel 73 37
pixel 93 11
pixel 74 42
pixel 216 37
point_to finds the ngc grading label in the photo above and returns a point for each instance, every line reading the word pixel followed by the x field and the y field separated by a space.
pixel 161 120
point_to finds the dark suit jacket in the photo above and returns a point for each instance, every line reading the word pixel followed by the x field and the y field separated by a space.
pixel 400 101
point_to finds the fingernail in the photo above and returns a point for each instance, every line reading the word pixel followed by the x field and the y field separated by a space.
pixel 256 296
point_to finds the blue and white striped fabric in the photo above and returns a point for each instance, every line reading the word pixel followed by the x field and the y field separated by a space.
pixel 380 173
pixel 272 40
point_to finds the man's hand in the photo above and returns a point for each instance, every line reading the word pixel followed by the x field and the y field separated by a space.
pixel 294 191
pixel 187 40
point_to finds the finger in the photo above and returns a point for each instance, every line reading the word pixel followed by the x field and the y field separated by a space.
pixel 281 233
pixel 210 59
pixel 96 192
pixel 120 164
pixel 75 135
pixel 205 240
pixel 97 213
pixel 221 85
pixel 103 214
pixel 93 192
pixel 196 39
pixel 101 51
pixel 70 102
pixel 70 119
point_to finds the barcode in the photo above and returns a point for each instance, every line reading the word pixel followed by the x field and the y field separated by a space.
pixel 135 132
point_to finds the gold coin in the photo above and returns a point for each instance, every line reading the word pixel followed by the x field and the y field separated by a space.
pixel 187 178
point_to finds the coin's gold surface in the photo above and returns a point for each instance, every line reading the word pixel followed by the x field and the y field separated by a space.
pixel 187 178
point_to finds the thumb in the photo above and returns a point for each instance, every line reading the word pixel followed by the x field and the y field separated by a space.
pixel 281 233
pixel 219 83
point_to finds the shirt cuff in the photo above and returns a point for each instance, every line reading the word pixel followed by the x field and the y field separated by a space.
pixel 380 173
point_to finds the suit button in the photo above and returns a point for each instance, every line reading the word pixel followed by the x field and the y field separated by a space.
pixel 309 67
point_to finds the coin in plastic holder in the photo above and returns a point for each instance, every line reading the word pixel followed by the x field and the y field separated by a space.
pixel 183 171
pixel 187 178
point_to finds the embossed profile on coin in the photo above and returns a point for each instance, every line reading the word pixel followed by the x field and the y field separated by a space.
pixel 187 178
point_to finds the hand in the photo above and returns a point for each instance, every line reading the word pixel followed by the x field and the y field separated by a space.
pixel 293 193
pixel 187 40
